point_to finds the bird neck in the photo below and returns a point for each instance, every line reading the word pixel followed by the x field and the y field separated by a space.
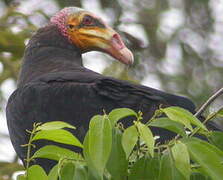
pixel 48 51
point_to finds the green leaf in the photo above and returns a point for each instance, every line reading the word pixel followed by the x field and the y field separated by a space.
pixel 55 153
pixel 168 171
pixel 36 172
pixel 129 139
pixel 213 148
pixel 145 169
pixel 54 125
pixel 120 113
pixel 53 174
pixel 117 164
pixel 67 171
pixel 147 136
pixel 166 168
pixel 176 114
pixel 100 141
pixel 80 172
pixel 183 116
pixel 168 124
pixel 73 171
pixel 92 172
pixel 181 159
pixel 216 138
pixel 206 155
pixel 58 135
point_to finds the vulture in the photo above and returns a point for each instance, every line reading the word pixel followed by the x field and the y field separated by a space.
pixel 53 85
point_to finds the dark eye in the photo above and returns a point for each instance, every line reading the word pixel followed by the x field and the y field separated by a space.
pixel 71 26
pixel 88 20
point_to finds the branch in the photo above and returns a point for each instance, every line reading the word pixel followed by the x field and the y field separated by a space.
pixel 208 102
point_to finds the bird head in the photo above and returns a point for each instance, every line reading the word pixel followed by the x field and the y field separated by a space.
pixel 89 32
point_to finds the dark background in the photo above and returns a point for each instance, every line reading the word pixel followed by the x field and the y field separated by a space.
pixel 178 47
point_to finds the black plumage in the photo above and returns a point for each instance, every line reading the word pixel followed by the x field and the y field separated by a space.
pixel 53 85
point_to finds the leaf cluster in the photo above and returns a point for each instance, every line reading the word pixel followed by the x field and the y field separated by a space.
pixel 112 152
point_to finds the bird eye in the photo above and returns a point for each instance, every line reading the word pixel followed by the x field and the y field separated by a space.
pixel 71 26
pixel 87 20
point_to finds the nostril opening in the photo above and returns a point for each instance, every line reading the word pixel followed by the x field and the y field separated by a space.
pixel 117 40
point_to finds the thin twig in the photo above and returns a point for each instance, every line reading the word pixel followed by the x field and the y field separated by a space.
pixel 208 102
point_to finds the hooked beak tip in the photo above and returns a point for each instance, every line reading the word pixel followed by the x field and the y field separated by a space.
pixel 126 56
pixel 119 51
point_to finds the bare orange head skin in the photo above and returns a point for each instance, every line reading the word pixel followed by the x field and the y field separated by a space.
pixel 88 32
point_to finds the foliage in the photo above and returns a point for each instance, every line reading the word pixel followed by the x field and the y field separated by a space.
pixel 111 152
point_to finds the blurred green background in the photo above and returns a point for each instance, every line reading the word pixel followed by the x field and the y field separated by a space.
pixel 177 46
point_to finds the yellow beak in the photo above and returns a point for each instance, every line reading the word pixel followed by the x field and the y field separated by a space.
pixel 102 39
